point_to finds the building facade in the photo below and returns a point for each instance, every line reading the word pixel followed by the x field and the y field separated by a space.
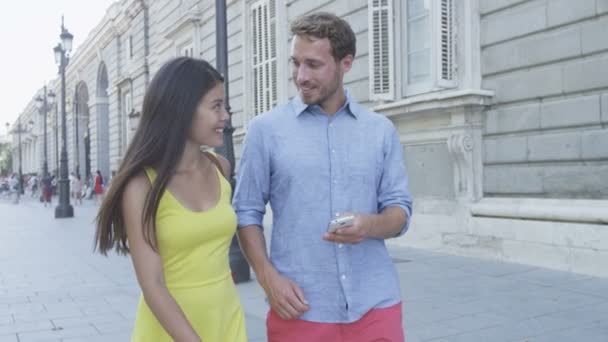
pixel 501 105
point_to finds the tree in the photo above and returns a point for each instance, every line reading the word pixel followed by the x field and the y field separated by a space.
pixel 6 158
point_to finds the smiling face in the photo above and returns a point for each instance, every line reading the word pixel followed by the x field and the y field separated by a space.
pixel 210 118
pixel 316 73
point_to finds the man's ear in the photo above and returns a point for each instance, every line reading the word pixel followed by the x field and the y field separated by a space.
pixel 346 63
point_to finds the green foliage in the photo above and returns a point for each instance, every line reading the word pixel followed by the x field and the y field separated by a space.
pixel 6 158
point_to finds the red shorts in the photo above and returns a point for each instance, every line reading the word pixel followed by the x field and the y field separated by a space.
pixel 378 325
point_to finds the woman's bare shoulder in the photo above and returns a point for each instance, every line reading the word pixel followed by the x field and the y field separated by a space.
pixel 137 189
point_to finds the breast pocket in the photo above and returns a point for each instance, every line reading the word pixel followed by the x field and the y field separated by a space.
pixel 364 171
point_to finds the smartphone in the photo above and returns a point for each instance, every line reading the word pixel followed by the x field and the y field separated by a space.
pixel 340 222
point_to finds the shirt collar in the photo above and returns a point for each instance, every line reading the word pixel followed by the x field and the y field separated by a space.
pixel 350 105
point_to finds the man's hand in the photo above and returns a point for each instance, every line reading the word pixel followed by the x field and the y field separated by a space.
pixel 354 233
pixel 285 297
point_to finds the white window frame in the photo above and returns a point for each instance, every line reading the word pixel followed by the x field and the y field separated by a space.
pixel 443 66
pixel 441 47
pixel 127 108
pixel 382 56
pixel 127 49
pixel 186 49
pixel 130 48
pixel 263 91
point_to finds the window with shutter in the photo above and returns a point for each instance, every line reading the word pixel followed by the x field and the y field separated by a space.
pixel 447 44
pixel 381 45
pixel 186 49
pixel 264 55
pixel 127 107
pixel 428 49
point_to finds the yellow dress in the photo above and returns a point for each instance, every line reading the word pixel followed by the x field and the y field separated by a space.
pixel 194 251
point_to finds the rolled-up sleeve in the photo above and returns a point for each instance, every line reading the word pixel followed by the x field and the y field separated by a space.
pixel 253 179
pixel 393 189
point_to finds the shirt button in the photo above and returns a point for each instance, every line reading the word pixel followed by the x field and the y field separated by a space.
pixel 343 277
pixel 335 181
pixel 337 214
pixel 340 245
pixel 333 151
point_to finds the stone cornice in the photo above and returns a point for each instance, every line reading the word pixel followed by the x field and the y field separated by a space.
pixel 570 210
pixel 116 21
pixel 123 81
pixel 100 36
pixel 436 100
pixel 134 8
pixel 192 17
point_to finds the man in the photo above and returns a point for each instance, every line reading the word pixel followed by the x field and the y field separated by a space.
pixel 319 157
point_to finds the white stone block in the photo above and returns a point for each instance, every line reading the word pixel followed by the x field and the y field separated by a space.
pixel 525 84
pixel 601 6
pixel 539 254
pixel 513 179
pixel 570 112
pixel 580 235
pixel 513 22
pixel 540 48
pixel 505 149
pixel 559 146
pixel 486 6
pixel 591 73
pixel 595 144
pixel 589 261
pixel 500 228
pixel 593 35
pixel 604 108
pixel 576 180
pixel 564 11
pixel 513 119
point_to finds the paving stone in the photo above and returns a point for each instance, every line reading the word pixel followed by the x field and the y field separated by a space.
pixel 446 297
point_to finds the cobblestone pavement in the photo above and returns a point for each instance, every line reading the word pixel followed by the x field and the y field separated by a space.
pixel 53 288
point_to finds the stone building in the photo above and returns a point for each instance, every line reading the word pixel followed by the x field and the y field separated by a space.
pixel 502 106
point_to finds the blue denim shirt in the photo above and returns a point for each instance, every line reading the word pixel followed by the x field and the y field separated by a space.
pixel 311 167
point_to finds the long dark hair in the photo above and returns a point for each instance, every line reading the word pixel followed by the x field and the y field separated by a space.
pixel 169 105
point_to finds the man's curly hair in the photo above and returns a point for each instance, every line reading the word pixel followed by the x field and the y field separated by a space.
pixel 327 25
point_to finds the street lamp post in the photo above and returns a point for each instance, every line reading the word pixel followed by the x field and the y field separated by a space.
pixel 64 208
pixel 75 110
pixel 20 130
pixel 56 117
pixel 238 263
pixel 45 102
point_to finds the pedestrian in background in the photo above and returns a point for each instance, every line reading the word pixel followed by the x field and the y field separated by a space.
pixel 77 189
pixel 14 187
pixel 47 189
pixel 319 157
pixel 169 207
pixel 98 187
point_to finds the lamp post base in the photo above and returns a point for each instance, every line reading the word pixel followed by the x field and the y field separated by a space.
pixel 64 211
pixel 238 263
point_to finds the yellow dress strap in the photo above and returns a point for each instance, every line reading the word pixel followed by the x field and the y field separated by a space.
pixel 151 173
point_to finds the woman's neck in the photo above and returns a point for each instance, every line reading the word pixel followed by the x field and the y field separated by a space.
pixel 191 158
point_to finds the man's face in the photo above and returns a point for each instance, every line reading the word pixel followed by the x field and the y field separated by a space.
pixel 316 74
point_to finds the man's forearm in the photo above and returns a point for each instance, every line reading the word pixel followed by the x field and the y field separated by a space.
pixel 387 224
pixel 253 244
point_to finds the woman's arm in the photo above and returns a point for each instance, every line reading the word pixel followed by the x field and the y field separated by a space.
pixel 148 266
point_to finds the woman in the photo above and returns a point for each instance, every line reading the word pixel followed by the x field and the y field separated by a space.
pixel 77 189
pixel 169 207
pixel 98 186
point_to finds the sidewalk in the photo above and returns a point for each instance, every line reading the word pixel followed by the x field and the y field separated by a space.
pixel 52 288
